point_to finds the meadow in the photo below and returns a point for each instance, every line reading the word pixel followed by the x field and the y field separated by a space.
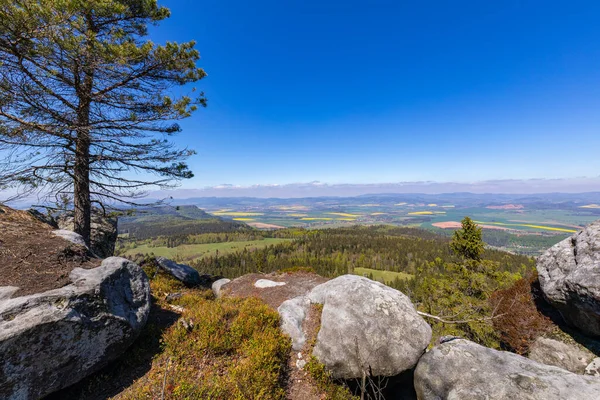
pixel 387 277
pixel 194 252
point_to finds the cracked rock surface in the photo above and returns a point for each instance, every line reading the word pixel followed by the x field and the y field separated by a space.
pixel 569 274
pixel 461 369
pixel 53 339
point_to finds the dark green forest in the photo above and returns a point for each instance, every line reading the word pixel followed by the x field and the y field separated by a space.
pixel 333 252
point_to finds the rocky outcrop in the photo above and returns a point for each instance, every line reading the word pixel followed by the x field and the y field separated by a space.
pixel 273 288
pixel 53 339
pixel 104 231
pixel 186 274
pixel 460 369
pixel 569 274
pixel 44 218
pixel 366 327
pixel 568 356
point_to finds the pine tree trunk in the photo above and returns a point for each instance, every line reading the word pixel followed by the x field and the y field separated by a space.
pixel 81 171
pixel 81 187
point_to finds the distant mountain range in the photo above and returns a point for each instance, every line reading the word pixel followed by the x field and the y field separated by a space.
pixel 538 201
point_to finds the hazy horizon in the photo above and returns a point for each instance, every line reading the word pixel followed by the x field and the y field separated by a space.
pixel 320 189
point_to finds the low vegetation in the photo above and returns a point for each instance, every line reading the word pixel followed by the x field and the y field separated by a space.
pixel 520 320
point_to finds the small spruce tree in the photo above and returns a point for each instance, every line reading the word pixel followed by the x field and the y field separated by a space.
pixel 467 241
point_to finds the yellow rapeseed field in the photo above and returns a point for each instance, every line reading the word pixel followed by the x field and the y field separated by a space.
pixel 344 214
pixel 237 214
pixel 548 228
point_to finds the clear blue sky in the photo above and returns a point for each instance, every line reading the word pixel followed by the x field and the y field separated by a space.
pixel 388 91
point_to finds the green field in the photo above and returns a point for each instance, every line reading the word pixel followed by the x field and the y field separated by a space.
pixel 192 252
pixel 385 276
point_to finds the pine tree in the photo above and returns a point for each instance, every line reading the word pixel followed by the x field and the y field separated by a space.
pixel 85 104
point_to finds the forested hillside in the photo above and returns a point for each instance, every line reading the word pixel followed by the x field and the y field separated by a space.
pixel 332 252
pixel 169 221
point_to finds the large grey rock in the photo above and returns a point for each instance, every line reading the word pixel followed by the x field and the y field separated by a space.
pixel 568 356
pixel 184 273
pixel 460 369
pixel 53 339
pixel 569 274
pixel 104 231
pixel 365 327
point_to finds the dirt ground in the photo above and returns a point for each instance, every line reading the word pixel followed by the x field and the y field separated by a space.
pixel 33 259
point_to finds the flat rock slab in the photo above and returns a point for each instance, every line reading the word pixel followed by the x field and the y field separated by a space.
pixel 71 236
pixel 53 339
pixel 267 283
pixel 296 284
pixel 461 369
pixel 569 274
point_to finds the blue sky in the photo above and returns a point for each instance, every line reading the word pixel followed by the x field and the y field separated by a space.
pixel 391 91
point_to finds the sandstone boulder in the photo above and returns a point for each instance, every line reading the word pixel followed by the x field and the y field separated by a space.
pixel 569 274
pixel 568 356
pixel 461 369
pixel 104 231
pixel 186 274
pixel 53 339
pixel 366 326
